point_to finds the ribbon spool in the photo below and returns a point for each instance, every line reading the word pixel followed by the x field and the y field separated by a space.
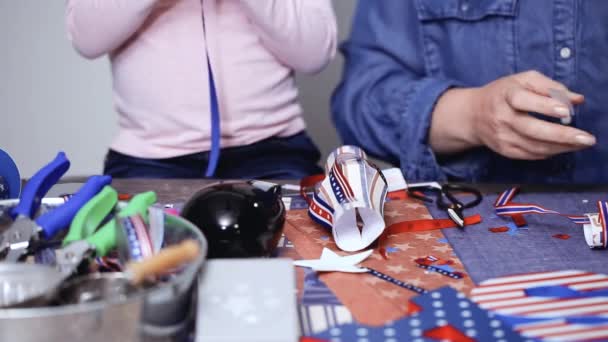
pixel 10 180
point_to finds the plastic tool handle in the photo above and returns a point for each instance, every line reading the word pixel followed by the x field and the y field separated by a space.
pixel 139 205
pixel 90 216
pixel 168 258
pixel 106 238
pixel 59 218
pixel 40 184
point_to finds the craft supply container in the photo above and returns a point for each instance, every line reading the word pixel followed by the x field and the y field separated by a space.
pixel 161 313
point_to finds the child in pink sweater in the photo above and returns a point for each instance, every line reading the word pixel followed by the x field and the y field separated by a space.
pixel 163 53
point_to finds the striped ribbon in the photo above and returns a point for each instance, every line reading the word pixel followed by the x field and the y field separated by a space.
pixel 321 212
pixel 340 185
pixel 504 207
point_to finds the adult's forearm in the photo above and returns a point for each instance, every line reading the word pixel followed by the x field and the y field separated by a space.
pixel 97 27
pixel 451 123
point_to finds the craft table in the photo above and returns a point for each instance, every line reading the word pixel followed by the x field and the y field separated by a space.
pixel 476 251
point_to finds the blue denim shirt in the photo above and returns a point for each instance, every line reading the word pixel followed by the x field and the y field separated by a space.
pixel 404 54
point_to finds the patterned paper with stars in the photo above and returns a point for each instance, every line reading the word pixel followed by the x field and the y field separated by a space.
pixel 445 315
pixel 371 300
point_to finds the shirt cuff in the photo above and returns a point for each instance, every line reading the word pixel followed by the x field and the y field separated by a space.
pixel 418 161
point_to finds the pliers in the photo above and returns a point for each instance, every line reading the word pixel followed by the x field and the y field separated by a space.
pixel 16 240
pixel 84 240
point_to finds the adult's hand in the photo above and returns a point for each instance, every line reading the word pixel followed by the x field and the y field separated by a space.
pixel 497 116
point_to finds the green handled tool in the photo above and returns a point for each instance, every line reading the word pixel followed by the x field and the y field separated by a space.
pixel 84 240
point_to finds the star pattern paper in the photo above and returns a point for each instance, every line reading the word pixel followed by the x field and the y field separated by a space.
pixel 391 294
pixel 391 213
pixel 403 246
pixel 396 269
pixel 373 280
pixel 425 237
pixel 446 315
pixel 442 248
pixel 361 293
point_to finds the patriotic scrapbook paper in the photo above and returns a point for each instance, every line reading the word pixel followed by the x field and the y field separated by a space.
pixel 444 315
pixel 370 300
pixel 551 306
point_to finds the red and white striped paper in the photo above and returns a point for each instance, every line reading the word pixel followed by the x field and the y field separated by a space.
pixel 507 296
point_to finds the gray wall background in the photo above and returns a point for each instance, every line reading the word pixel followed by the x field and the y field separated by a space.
pixel 51 99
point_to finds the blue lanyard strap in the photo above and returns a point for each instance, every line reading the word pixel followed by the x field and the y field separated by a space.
pixel 214 154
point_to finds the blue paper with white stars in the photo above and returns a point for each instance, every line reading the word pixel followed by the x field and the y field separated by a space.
pixel 486 255
pixel 441 307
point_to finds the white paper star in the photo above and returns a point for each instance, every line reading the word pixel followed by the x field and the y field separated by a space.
pixel 332 262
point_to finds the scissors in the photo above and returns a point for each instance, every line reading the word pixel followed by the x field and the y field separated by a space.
pixel 17 239
pixel 84 240
pixel 446 199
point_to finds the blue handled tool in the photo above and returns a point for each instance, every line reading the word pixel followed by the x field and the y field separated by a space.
pixel 38 186
pixel 17 238
pixel 10 182
pixel 24 230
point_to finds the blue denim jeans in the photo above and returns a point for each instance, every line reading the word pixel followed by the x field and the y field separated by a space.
pixel 274 158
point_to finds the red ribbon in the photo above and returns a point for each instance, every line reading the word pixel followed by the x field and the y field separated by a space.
pixel 310 339
pixel 420 226
pixel 424 225
pixel 309 182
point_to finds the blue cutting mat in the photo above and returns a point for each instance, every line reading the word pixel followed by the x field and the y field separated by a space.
pixel 488 255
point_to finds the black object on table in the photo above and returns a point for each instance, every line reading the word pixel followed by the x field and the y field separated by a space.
pixel 453 206
pixel 240 220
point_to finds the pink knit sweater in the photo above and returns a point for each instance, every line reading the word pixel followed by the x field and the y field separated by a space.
pixel 157 52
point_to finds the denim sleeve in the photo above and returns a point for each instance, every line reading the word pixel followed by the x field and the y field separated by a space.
pixel 385 100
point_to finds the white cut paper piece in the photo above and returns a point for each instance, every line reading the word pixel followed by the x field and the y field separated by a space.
pixel 332 262
pixel 394 178
pixel 396 181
